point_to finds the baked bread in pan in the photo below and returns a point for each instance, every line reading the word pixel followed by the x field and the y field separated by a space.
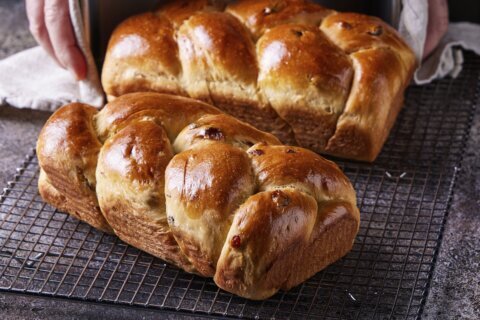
pixel 325 80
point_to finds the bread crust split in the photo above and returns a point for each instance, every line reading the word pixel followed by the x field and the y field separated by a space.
pixel 181 180
pixel 329 81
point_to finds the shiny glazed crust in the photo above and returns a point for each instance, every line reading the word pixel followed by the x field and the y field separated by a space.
pixel 329 81
pixel 182 181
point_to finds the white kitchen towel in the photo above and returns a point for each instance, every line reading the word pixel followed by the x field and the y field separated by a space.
pixel 90 90
pixel 31 79
pixel 447 59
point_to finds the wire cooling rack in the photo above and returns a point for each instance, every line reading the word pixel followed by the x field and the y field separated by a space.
pixel 403 199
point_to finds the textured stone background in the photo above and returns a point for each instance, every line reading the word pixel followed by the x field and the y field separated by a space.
pixel 455 287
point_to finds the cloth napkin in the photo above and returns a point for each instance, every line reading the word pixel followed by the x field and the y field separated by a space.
pixel 447 59
pixel 30 79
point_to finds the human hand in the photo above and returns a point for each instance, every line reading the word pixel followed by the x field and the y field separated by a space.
pixel 437 24
pixel 51 26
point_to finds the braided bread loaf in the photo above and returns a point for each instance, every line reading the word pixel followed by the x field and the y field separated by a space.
pixel 332 82
pixel 178 179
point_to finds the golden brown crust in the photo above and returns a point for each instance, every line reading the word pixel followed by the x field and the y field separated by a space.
pixel 218 58
pixel 53 196
pixel 283 66
pixel 258 16
pixel 373 105
pixel 332 237
pixel 178 179
pixel 302 56
pixel 221 128
pixel 143 56
pixel 67 151
pixel 219 40
pixel 267 231
pixel 286 166
pixel 131 181
pixel 204 186
pixel 139 153
pixel 354 31
pixel 172 112
pixel 304 77
pixel 179 11
pixel 260 258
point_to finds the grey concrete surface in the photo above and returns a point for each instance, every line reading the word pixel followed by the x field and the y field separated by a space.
pixel 14 34
pixel 455 287
pixel 18 128
pixel 21 307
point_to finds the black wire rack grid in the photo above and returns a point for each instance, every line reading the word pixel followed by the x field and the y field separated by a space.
pixel 403 198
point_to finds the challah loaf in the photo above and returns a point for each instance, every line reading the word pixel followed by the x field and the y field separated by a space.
pixel 179 179
pixel 329 81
